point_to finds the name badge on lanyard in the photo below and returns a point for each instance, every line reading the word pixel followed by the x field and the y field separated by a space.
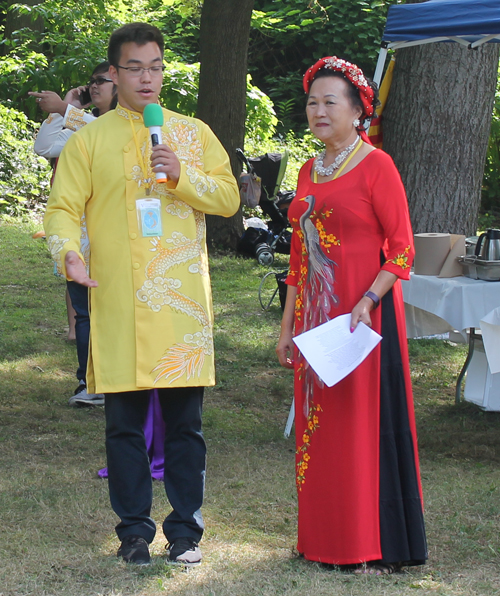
pixel 149 217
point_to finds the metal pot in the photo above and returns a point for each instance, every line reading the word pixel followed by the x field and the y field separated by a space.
pixel 470 245
pixel 488 245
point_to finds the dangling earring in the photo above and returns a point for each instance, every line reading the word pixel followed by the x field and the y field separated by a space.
pixel 356 123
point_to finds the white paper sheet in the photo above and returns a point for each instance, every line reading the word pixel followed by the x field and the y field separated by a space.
pixel 490 328
pixel 289 422
pixel 333 351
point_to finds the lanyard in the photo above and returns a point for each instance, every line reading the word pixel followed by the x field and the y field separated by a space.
pixel 146 178
pixel 342 167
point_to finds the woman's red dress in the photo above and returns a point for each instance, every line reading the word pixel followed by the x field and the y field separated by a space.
pixel 357 467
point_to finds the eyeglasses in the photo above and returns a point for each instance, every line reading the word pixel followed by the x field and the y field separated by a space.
pixel 137 71
pixel 99 81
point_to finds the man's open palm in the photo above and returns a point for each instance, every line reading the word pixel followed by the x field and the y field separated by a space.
pixel 76 270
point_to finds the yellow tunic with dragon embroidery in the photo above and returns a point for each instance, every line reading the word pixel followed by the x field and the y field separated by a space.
pixel 151 315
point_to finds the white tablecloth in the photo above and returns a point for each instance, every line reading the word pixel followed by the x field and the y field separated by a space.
pixel 436 305
pixel 456 303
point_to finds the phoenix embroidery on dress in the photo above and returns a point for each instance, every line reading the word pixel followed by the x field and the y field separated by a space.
pixel 315 296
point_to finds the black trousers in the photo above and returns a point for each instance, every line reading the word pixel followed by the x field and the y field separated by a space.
pixel 80 302
pixel 129 474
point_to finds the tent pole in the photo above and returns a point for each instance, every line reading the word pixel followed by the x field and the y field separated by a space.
pixel 377 77
pixel 484 39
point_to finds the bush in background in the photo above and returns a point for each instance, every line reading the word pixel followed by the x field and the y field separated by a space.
pixel 489 216
pixel 24 177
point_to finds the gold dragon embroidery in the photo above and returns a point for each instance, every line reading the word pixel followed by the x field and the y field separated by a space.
pixel 161 288
pixel 55 245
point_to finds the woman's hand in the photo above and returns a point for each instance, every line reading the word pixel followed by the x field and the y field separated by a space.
pixel 49 101
pixel 285 346
pixel 74 96
pixel 284 349
pixel 361 313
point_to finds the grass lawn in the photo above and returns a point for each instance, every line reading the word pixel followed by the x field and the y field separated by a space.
pixel 58 528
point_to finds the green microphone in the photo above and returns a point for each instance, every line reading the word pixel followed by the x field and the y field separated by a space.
pixel 153 119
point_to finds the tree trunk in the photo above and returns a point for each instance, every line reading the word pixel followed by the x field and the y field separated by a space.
pixel 224 35
pixel 436 128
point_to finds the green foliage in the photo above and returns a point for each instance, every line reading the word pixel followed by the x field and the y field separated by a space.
pixel 285 109
pixel 180 93
pixel 490 200
pixel 179 20
pixel 74 39
pixel 24 177
pixel 261 118
pixel 61 56
pixel 288 37
pixel 305 30
pixel 180 87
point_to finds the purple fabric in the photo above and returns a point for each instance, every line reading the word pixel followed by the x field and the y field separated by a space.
pixel 154 433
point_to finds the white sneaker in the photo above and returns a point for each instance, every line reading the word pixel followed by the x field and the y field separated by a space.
pixel 81 398
pixel 184 551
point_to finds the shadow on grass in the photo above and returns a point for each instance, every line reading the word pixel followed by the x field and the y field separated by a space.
pixel 58 524
pixel 446 430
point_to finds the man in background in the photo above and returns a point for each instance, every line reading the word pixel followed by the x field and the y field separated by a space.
pixel 66 117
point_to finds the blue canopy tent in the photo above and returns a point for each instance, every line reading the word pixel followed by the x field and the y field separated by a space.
pixel 469 22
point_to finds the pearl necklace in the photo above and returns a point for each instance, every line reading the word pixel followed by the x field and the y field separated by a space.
pixel 337 162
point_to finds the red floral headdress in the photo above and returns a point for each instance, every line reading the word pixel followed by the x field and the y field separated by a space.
pixel 351 72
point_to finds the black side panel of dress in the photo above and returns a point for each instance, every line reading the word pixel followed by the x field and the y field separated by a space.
pixel 402 529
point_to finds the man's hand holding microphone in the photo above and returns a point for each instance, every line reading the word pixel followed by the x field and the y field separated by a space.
pixel 163 160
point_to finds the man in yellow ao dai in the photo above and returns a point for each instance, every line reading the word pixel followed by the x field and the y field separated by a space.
pixel 150 297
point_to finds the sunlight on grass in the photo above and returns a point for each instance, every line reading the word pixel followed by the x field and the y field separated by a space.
pixel 55 511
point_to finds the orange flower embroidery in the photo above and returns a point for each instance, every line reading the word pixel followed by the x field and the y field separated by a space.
pixel 312 426
pixel 301 371
pixel 326 240
pixel 401 260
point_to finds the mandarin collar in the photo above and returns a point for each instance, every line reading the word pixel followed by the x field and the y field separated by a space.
pixel 128 114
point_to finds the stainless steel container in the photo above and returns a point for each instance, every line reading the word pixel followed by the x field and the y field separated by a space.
pixel 488 245
pixel 477 268
pixel 470 245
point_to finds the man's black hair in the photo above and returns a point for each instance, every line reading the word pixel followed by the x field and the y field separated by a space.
pixel 139 33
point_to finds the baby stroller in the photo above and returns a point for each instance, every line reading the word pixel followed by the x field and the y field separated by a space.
pixel 263 240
